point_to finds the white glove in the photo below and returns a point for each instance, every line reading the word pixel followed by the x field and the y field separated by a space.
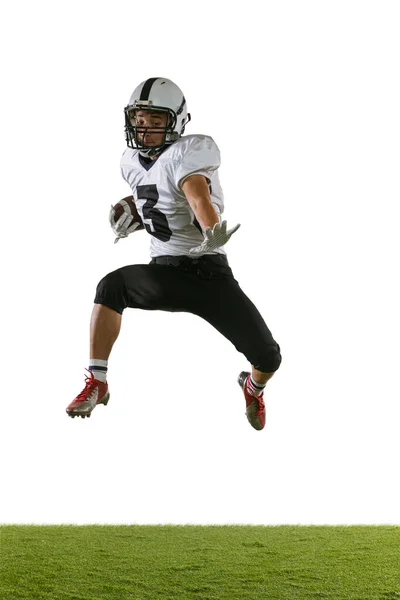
pixel 121 228
pixel 214 239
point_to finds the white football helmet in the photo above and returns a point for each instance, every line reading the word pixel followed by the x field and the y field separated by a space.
pixel 159 95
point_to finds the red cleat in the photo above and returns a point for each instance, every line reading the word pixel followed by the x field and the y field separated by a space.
pixel 255 407
pixel 95 392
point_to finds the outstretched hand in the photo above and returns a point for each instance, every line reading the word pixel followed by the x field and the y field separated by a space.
pixel 215 238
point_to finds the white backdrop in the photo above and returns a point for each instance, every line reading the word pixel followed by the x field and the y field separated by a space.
pixel 303 100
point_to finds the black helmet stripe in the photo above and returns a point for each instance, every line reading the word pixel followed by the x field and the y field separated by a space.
pixel 180 109
pixel 146 88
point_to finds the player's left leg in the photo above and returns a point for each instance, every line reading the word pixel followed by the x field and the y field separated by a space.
pixel 225 306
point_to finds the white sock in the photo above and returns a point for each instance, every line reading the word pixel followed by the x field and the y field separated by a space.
pixel 255 389
pixel 98 368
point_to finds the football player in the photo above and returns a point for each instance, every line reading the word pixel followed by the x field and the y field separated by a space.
pixel 175 185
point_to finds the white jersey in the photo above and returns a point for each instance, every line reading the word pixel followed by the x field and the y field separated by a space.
pixel 160 201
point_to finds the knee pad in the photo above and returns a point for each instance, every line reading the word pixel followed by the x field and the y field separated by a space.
pixel 111 291
pixel 270 360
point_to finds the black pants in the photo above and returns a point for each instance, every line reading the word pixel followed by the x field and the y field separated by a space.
pixel 203 286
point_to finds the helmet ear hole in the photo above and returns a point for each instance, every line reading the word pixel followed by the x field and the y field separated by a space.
pixel 171 121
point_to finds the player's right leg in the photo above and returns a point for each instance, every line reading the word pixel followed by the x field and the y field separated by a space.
pixel 149 287
pixel 105 325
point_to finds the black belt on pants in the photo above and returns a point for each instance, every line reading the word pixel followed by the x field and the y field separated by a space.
pixel 179 261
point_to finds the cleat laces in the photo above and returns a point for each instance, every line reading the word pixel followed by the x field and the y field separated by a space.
pixel 88 389
pixel 261 406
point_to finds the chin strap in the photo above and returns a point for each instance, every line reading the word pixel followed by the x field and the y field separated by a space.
pixel 149 153
pixel 152 152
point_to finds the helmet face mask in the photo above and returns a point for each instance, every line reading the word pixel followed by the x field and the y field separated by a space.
pixel 135 134
pixel 156 95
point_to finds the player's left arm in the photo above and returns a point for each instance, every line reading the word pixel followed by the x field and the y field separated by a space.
pixel 197 193
pixel 196 190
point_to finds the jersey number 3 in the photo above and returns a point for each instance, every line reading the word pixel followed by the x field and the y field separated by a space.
pixel 159 224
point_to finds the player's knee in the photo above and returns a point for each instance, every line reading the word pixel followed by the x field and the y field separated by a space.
pixel 110 291
pixel 270 360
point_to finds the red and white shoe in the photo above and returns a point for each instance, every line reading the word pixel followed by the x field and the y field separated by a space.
pixel 95 392
pixel 255 407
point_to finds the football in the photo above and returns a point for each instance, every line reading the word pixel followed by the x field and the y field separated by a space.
pixel 128 205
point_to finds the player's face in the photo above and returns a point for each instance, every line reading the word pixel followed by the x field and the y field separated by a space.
pixel 147 123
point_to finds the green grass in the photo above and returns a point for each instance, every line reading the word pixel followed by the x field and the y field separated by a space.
pixel 197 562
